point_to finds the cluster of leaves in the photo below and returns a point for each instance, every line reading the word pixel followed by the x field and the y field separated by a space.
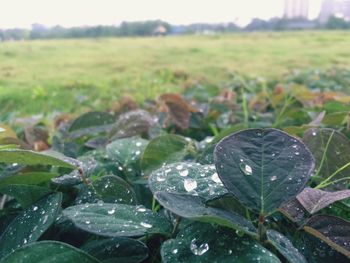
pixel 197 177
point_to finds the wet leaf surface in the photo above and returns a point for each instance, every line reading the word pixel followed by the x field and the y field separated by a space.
pixel 187 178
pixel 201 243
pixel 34 158
pixel 30 224
pixel 117 249
pixel 49 251
pixel 112 220
pixel 332 230
pixel 285 247
pixel 194 207
pixel 257 165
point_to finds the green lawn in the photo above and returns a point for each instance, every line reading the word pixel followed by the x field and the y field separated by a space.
pixel 64 75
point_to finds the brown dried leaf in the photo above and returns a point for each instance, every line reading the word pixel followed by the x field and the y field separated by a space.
pixel 314 200
pixel 178 109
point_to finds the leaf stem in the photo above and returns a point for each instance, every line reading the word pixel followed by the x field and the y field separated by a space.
pixel 324 154
pixel 176 226
pixel 262 228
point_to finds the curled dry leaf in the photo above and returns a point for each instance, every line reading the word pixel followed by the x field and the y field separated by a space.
pixel 314 200
pixel 178 109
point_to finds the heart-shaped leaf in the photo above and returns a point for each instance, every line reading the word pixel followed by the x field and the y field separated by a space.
pixel 113 220
pixel 314 200
pixel 34 158
pixel 199 243
pixel 127 153
pixel 191 178
pixel 257 165
pixel 332 230
pixel 162 150
pixel 285 247
pixel 25 194
pixel 29 225
pixel 117 249
pixel 331 150
pixel 49 251
pixel 194 207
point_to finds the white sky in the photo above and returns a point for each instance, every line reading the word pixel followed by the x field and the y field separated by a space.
pixel 23 13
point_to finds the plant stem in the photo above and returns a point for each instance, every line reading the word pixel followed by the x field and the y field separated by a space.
pixel 324 154
pixel 245 109
pixel 176 226
pixel 262 228
pixel 285 106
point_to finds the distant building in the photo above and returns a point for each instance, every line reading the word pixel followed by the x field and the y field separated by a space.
pixel 339 8
pixel 160 31
pixel 296 8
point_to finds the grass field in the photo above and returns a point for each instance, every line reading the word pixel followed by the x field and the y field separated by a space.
pixel 66 75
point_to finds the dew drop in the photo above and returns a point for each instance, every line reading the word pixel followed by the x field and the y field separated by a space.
pixel 190 184
pixel 35 208
pixel 215 178
pixel 160 178
pixel 184 173
pixel 246 169
pixel 198 250
pixel 273 178
pixel 141 208
pixel 111 212
pixel 175 251
pixel 179 167
pixel 146 225
pixel 138 144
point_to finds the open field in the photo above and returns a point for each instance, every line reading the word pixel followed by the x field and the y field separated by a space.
pixel 43 76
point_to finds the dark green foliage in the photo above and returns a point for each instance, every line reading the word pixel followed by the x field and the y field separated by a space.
pixel 212 183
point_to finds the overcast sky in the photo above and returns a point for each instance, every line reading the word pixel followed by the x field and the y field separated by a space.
pixel 23 13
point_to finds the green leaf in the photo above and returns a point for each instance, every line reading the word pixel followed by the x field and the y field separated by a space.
pixel 109 189
pixel 314 200
pixel 32 178
pixel 127 153
pixel 191 178
pixel 162 150
pixel 332 230
pixel 200 243
pixel 49 251
pixel 29 225
pixel 285 247
pixel 331 150
pixel 257 165
pixel 117 249
pixel 113 220
pixel 34 158
pixel 25 194
pixel 194 207
pixel 91 119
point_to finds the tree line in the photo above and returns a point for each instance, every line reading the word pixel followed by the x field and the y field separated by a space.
pixel 149 28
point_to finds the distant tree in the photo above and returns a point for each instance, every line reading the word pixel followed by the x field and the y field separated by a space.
pixel 337 23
